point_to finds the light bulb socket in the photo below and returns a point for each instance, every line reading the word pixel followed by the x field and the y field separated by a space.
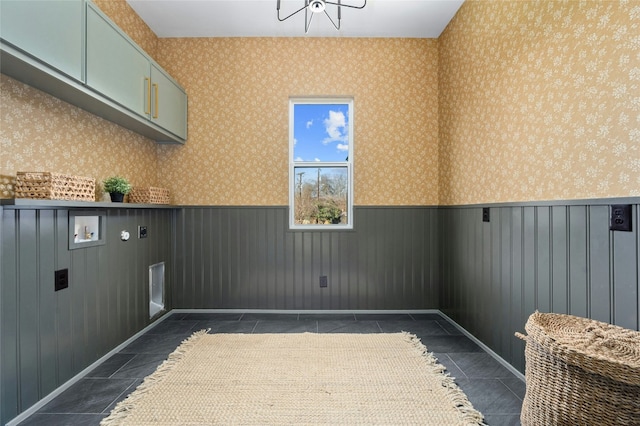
pixel 317 6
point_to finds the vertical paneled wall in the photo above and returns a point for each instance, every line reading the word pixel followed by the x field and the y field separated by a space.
pixel 488 277
pixel 246 257
pixel 555 258
pixel 47 337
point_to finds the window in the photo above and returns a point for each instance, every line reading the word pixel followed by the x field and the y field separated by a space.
pixel 321 159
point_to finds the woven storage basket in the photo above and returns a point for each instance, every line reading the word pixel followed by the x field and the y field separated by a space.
pixel 150 195
pixel 7 186
pixel 54 186
pixel 580 372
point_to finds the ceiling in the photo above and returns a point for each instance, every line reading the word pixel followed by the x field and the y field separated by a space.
pixel 258 18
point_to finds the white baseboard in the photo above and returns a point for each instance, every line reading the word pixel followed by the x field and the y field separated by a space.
pixel 486 348
pixel 305 311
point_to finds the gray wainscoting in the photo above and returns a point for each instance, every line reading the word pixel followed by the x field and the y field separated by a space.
pixel 488 277
pixel 246 257
pixel 554 258
pixel 47 337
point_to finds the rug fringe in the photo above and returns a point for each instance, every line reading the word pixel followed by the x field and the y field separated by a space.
pixel 121 410
pixel 468 415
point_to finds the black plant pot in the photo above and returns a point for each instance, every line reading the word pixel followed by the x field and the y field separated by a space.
pixel 116 197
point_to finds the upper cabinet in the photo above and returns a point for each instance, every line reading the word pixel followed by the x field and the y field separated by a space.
pixel 116 66
pixel 52 31
pixel 71 50
pixel 168 102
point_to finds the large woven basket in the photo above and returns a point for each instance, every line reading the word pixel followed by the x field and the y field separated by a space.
pixel 54 186
pixel 580 372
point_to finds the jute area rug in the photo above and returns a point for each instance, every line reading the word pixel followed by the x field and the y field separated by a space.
pixel 287 379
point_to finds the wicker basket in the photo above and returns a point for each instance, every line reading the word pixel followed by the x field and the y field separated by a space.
pixel 580 372
pixel 54 186
pixel 150 195
pixel 7 186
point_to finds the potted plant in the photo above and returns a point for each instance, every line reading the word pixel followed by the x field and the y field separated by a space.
pixel 117 187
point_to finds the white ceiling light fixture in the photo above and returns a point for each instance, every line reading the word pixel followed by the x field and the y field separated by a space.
pixel 318 6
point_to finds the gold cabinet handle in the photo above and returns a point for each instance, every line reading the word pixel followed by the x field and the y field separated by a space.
pixel 147 104
pixel 155 93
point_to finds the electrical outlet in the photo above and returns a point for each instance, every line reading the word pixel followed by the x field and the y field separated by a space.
pixel 61 279
pixel 486 214
pixel 620 217
pixel 324 282
pixel 142 232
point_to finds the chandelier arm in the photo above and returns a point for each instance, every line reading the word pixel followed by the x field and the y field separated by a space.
pixel 337 27
pixel 289 16
pixel 307 24
pixel 347 5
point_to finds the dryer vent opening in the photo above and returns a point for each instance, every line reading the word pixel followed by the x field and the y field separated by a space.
pixel 156 289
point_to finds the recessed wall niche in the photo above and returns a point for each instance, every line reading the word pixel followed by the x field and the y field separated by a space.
pixel 156 289
pixel 86 228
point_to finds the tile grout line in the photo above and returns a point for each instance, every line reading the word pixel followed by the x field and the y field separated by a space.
pixel 510 390
pixel 457 366
pixel 443 329
pixel 121 367
pixel 124 392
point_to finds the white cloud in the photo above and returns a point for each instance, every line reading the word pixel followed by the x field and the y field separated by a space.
pixel 309 123
pixel 316 159
pixel 335 126
pixel 299 159
pixel 295 141
pixel 343 147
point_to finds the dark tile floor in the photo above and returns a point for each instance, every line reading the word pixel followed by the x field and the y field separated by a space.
pixel 491 388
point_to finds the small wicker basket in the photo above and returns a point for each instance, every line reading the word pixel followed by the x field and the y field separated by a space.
pixel 54 186
pixel 7 186
pixel 580 372
pixel 149 195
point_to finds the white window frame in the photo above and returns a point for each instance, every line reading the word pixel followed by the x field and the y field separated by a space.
pixel 324 165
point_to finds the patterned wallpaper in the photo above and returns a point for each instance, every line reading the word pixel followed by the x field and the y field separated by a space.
pixel 540 101
pixel 239 88
pixel 537 100
pixel 41 133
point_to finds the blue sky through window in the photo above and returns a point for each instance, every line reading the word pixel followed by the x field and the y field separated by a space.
pixel 321 132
